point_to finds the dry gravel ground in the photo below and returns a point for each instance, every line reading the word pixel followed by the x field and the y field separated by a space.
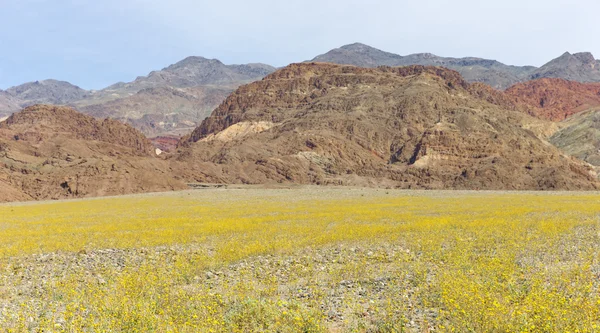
pixel 306 259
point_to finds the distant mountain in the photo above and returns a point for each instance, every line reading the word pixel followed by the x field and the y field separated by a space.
pixel 190 72
pixel 171 101
pixel 174 100
pixel 581 67
pixel 161 110
pixel 8 104
pixel 47 92
pixel 491 72
pixel 360 55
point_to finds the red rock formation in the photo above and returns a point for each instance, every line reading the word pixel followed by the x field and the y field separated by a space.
pixel 49 152
pixel 555 99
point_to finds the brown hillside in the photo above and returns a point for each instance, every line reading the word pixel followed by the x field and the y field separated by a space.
pixel 49 152
pixel 555 99
pixel 408 127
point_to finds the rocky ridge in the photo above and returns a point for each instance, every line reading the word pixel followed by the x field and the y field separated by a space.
pixel 555 99
pixel 408 127
pixel 580 67
pixel 50 152
pixel 47 92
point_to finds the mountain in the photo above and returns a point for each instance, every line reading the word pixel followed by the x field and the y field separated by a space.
pixel 189 72
pixel 174 100
pixel 491 72
pixel 47 92
pixel 8 104
pixel 555 99
pixel 407 127
pixel 171 101
pixel 580 136
pixel 158 111
pixel 52 152
pixel 581 67
pixel 360 55
pixel 573 106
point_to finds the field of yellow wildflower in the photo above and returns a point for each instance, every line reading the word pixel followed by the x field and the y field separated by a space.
pixel 303 260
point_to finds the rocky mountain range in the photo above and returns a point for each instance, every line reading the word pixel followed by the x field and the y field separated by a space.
pixel 581 67
pixel 47 92
pixel 162 110
pixel 490 72
pixel 171 101
pixel 379 121
pixel 317 123
pixel 407 127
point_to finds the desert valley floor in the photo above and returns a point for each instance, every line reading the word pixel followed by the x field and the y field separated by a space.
pixel 303 259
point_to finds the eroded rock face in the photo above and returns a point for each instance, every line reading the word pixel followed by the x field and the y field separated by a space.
pixel 580 137
pixel 555 99
pixel 580 67
pixel 49 152
pixel 43 122
pixel 408 127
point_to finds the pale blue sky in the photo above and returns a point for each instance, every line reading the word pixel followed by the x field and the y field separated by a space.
pixel 96 43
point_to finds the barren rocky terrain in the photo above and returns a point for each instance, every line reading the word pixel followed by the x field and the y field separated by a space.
pixel 171 101
pixel 580 67
pixel 491 72
pixel 408 127
pixel 555 99
pixel 580 136
pixel 49 152
pixel 313 123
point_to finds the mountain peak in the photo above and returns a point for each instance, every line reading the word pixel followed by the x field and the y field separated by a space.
pixel 566 55
pixel 48 91
pixel 581 67
pixel 194 61
pixel 360 55
pixel 585 57
pixel 357 47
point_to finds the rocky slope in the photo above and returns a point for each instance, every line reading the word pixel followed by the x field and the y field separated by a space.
pixel 174 100
pixel 47 92
pixel 555 99
pixel 171 101
pixel 581 67
pixel 50 152
pixel 189 72
pixel 490 72
pixel 574 108
pixel 580 136
pixel 8 104
pixel 408 127
pixel 164 110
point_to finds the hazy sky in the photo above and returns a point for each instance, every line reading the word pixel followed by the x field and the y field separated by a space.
pixel 96 43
